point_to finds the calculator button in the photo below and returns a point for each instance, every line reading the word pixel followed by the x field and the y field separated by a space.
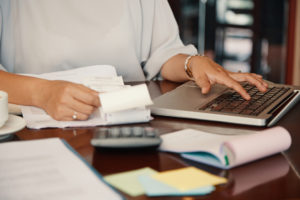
pixel 114 132
pixel 150 134
pixel 126 131
pixel 101 135
pixel 138 131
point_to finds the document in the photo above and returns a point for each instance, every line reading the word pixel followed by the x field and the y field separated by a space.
pixel 120 104
pixel 226 151
pixel 48 169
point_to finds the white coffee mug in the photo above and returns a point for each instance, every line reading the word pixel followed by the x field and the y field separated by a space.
pixel 3 108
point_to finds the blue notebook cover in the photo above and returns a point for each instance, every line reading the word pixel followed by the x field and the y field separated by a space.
pixel 206 158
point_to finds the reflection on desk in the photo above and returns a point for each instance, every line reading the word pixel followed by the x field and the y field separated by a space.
pixel 258 173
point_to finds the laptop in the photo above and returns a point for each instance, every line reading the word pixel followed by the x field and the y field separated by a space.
pixel 223 104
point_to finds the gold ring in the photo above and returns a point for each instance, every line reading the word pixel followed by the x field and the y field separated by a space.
pixel 74 115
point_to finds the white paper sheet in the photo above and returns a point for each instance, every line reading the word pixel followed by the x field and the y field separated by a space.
pixel 79 75
pixel 46 170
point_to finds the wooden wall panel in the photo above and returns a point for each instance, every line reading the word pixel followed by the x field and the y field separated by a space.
pixel 296 70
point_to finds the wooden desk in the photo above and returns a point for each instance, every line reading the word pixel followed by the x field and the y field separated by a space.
pixel 276 177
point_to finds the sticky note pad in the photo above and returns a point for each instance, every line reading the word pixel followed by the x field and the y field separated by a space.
pixel 156 188
pixel 188 178
pixel 128 181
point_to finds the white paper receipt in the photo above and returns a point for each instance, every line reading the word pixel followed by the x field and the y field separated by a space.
pixel 124 99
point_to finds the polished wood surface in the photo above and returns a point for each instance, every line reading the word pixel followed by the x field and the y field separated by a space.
pixel 275 177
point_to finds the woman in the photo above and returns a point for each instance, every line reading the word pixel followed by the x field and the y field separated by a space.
pixel 139 37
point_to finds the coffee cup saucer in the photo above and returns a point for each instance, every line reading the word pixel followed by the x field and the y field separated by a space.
pixel 13 124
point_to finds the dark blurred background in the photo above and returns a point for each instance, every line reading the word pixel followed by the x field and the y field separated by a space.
pixel 240 35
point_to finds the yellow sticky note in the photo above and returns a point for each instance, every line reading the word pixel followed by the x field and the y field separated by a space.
pixel 188 178
pixel 128 181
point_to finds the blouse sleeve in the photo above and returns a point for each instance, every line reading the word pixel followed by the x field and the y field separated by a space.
pixel 165 41
pixel 1 29
pixel 1 67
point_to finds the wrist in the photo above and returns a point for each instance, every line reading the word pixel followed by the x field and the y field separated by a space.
pixel 39 92
pixel 190 62
pixel 187 67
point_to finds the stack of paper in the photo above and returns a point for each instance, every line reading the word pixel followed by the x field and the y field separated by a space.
pixel 120 103
pixel 48 169
pixel 226 151
pixel 180 182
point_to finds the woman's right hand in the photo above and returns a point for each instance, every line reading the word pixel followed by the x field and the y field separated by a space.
pixel 66 101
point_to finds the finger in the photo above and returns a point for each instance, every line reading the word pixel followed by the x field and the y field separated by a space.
pixel 203 82
pixel 86 96
pixel 265 83
pixel 87 89
pixel 231 83
pixel 73 115
pixel 251 79
pixel 261 81
pixel 65 113
pixel 260 78
pixel 81 107
pixel 258 75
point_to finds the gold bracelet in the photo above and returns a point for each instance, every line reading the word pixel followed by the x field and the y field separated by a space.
pixel 187 68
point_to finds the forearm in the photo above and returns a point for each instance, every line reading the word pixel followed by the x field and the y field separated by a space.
pixel 23 90
pixel 173 69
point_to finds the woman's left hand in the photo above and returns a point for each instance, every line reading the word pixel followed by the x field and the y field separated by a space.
pixel 206 73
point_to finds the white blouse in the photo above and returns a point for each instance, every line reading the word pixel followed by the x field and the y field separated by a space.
pixel 136 36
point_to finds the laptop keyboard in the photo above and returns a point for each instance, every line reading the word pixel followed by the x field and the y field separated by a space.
pixel 232 102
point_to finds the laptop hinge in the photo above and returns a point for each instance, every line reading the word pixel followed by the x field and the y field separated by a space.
pixel 284 107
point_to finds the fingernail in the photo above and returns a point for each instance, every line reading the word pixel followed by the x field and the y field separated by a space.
pixel 248 97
